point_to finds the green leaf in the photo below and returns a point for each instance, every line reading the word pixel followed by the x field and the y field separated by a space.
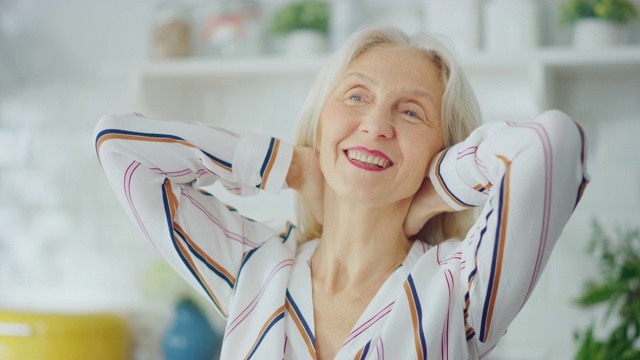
pixel 619 11
pixel 617 287
pixel 598 293
pixel 305 14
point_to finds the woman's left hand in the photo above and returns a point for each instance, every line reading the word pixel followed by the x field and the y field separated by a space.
pixel 305 177
pixel 425 205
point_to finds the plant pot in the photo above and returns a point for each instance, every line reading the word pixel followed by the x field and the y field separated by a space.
pixel 305 42
pixel 458 20
pixel 595 34
pixel 511 26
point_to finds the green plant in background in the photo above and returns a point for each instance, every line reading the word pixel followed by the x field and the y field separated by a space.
pixel 618 11
pixel 306 14
pixel 618 287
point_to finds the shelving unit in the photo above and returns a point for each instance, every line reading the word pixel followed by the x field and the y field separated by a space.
pixel 533 82
pixel 560 57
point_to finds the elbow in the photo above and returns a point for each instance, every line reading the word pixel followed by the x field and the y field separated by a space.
pixel 568 146
pixel 105 126
pixel 566 136
pixel 105 123
pixel 557 121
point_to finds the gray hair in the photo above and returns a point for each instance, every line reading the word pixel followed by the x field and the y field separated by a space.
pixel 460 115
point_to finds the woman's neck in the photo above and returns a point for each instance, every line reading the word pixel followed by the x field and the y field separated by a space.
pixel 360 244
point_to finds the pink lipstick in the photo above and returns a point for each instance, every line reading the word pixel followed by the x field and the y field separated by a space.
pixel 366 159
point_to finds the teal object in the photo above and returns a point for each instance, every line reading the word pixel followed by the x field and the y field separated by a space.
pixel 190 336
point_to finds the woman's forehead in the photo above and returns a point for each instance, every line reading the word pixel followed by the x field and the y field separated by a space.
pixel 390 52
pixel 398 63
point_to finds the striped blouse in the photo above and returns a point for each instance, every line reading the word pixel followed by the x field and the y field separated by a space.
pixel 451 301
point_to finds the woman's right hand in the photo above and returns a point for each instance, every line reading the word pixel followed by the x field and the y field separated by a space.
pixel 306 178
pixel 426 204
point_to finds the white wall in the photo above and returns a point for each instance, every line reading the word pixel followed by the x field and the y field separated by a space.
pixel 64 243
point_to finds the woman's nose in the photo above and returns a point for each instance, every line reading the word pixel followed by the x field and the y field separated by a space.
pixel 377 123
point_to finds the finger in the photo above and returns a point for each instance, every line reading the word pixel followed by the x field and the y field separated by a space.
pixel 411 226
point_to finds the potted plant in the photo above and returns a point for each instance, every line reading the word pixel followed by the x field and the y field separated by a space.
pixel 597 23
pixel 304 24
pixel 618 287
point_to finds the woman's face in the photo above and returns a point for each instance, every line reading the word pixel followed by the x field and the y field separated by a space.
pixel 381 126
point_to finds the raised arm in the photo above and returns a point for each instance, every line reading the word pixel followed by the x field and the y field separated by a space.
pixel 530 177
pixel 156 168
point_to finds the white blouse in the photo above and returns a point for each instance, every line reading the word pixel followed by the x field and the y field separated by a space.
pixel 451 301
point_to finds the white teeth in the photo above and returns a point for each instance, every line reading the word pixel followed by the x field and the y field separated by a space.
pixel 368 159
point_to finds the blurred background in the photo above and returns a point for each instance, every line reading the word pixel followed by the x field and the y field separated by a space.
pixel 67 248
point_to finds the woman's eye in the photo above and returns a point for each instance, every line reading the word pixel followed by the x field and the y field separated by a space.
pixel 413 115
pixel 355 98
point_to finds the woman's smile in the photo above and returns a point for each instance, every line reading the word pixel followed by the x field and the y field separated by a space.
pixel 370 160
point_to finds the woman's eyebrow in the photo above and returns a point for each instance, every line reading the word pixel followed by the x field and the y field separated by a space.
pixel 422 94
pixel 415 93
pixel 361 76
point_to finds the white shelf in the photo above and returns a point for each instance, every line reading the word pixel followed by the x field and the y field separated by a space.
pixel 563 57
pixel 223 67
pixel 558 57
pixel 553 58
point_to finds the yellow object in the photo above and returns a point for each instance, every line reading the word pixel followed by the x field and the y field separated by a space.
pixel 30 336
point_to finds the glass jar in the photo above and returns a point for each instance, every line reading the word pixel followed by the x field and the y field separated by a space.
pixel 233 29
pixel 171 32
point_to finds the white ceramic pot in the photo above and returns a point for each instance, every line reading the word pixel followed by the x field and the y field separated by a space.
pixel 510 26
pixel 458 20
pixel 305 42
pixel 595 34
pixel 346 15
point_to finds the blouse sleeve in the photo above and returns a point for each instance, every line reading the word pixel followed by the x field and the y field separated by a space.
pixel 156 168
pixel 529 177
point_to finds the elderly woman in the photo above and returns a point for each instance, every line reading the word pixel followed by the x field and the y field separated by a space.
pixel 386 260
